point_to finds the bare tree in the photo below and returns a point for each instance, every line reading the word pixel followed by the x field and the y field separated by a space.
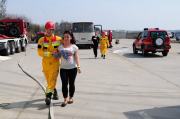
pixel 3 8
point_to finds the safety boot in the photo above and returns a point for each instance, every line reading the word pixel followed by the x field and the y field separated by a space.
pixel 48 98
pixel 55 95
pixel 104 56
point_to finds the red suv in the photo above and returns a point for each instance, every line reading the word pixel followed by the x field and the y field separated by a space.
pixel 152 40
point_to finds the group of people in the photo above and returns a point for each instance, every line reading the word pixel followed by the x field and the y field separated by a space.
pixel 103 42
pixel 62 54
pixel 59 53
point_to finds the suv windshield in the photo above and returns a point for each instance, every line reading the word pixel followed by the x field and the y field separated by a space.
pixel 155 34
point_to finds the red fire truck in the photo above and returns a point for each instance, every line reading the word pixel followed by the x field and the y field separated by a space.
pixel 13 36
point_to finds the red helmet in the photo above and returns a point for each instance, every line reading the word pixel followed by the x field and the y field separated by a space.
pixel 50 25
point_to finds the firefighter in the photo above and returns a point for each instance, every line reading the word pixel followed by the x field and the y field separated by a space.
pixel 95 40
pixel 110 38
pixel 48 45
pixel 104 44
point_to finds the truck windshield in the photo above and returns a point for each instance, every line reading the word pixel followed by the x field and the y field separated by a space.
pixel 83 27
pixel 10 29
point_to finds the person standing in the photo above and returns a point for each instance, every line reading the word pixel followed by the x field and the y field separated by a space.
pixel 110 38
pixel 104 44
pixel 95 40
pixel 70 65
pixel 46 46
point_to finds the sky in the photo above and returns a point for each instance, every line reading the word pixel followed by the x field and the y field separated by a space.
pixel 112 14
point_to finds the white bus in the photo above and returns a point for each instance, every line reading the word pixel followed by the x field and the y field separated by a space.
pixel 83 32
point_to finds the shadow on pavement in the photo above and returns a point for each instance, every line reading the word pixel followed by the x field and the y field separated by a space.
pixel 172 112
pixel 38 103
pixel 86 58
pixel 131 55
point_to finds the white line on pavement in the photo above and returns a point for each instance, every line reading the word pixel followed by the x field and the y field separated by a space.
pixel 4 58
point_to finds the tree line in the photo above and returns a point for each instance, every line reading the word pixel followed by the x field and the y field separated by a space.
pixel 34 28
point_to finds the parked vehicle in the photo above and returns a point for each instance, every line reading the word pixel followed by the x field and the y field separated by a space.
pixel 83 32
pixel 38 36
pixel 177 36
pixel 170 34
pixel 152 40
pixel 13 36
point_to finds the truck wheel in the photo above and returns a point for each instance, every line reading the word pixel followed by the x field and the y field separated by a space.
pixel 12 48
pixel 24 46
pixel 165 53
pixel 18 49
pixel 6 51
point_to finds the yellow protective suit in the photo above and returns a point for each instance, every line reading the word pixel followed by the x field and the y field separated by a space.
pixel 104 44
pixel 50 65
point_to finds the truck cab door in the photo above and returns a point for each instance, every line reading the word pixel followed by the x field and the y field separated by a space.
pixel 98 28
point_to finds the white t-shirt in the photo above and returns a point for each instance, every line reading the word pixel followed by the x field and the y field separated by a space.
pixel 68 56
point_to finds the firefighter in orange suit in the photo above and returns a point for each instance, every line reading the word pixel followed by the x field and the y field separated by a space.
pixel 47 46
pixel 104 44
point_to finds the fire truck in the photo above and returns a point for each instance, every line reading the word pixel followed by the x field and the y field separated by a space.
pixel 13 36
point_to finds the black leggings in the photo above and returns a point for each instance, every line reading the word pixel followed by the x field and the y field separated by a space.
pixel 68 76
pixel 95 50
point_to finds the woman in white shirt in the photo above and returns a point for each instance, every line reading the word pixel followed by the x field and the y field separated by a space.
pixel 70 65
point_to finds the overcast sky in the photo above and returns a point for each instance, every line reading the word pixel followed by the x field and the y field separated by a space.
pixel 112 14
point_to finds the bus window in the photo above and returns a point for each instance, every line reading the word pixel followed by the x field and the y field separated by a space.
pixel 77 27
pixel 88 27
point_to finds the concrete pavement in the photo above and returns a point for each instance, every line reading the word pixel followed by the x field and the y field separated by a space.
pixel 123 86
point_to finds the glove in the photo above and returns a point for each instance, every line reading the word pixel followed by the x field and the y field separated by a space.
pixel 47 54
pixel 56 55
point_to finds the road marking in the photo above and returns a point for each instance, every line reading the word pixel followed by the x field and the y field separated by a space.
pixel 4 58
pixel 122 50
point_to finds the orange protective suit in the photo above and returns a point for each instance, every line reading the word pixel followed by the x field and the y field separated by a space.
pixel 50 65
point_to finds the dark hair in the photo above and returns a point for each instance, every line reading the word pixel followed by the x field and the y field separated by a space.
pixel 73 41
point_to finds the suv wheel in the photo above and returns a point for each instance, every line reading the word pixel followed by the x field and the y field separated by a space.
pixel 134 50
pixel 165 53
pixel 144 53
